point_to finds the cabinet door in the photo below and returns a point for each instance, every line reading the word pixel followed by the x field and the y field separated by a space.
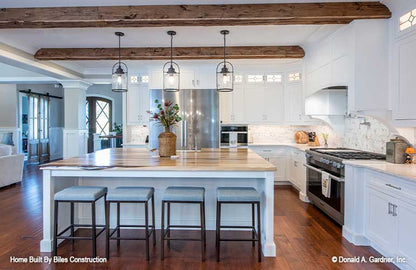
pixel 226 107
pixel 254 100
pixel 205 79
pixel 406 215
pixel 293 102
pixel 274 103
pixel 238 115
pixel 340 71
pixel 156 79
pixel 138 105
pixel 381 225
pixel 187 80
pixel 280 163
pixel 405 107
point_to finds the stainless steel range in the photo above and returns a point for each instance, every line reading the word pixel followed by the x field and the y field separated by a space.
pixel 330 162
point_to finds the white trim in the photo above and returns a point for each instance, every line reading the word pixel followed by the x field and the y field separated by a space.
pixel 75 84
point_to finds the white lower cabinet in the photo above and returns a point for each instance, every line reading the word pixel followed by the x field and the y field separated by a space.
pixel 289 165
pixel 391 225
pixel 381 224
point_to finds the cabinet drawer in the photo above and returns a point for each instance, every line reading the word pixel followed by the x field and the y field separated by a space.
pixel 393 186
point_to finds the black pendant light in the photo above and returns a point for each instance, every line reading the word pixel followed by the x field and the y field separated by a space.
pixel 225 71
pixel 171 72
pixel 120 76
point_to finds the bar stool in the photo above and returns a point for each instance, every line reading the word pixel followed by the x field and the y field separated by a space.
pixel 189 195
pixel 239 195
pixel 78 194
pixel 130 195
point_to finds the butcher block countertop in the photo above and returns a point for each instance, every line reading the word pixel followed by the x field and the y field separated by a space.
pixel 144 160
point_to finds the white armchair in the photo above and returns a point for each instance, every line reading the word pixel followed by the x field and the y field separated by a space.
pixel 11 165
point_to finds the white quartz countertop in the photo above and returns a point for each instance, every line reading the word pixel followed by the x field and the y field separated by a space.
pixel 405 171
pixel 301 147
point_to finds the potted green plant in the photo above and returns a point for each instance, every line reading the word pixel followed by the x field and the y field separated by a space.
pixel 167 115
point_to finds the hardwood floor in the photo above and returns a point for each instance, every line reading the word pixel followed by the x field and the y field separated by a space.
pixel 305 239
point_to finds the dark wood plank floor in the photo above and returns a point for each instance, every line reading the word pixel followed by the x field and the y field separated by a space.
pixel 305 239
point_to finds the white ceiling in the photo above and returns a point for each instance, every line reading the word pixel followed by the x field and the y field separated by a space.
pixel 66 3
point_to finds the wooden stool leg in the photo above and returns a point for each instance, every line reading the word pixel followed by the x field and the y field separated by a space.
pixel 94 232
pixel 253 224
pixel 118 223
pixel 205 229
pixel 107 230
pixel 259 231
pixel 218 229
pixel 55 229
pixel 168 224
pixel 146 228
pixel 162 228
pixel 202 214
pixel 72 225
pixel 153 220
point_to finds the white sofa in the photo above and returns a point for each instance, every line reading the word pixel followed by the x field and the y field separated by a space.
pixel 11 165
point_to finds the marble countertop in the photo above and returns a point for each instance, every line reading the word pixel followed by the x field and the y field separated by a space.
pixel 301 147
pixel 404 171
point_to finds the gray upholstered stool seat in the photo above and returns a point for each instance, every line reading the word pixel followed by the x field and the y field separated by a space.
pixel 184 194
pixel 132 194
pixel 80 193
pixel 237 194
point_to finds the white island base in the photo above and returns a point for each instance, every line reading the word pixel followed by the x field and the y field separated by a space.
pixel 58 178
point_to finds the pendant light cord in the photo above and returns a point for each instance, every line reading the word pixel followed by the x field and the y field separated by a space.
pixel 119 51
pixel 224 48
pixel 171 50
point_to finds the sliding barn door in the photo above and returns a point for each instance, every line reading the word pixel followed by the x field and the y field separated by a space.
pixel 38 120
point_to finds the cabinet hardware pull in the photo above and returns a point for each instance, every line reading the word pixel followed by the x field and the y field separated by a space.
pixel 389 211
pixel 394 210
pixel 390 185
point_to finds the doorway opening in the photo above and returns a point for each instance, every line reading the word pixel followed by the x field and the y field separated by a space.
pixel 99 112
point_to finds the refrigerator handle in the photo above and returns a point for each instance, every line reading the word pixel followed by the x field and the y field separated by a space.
pixel 184 135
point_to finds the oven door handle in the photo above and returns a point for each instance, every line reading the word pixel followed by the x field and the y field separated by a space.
pixel 336 178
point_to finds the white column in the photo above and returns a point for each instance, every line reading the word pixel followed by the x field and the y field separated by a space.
pixel 269 247
pixel 75 131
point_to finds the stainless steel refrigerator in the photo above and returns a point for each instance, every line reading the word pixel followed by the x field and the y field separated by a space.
pixel 199 110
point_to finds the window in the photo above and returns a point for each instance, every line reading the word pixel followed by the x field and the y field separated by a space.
pixel 255 78
pixel 144 79
pixel 133 79
pixel 407 20
pixel 274 78
pixel 139 79
pixel 293 77
pixel 238 78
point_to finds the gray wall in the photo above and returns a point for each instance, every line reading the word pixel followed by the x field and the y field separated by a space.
pixel 56 105
pixel 104 90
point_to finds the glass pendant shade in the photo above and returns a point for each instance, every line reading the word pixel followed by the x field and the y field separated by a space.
pixel 225 77
pixel 171 77
pixel 120 77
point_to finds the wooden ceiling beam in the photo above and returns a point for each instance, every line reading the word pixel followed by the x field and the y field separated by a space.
pixel 192 15
pixel 163 53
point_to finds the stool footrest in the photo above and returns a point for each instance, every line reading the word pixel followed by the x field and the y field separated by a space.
pixel 238 227
pixel 183 226
pixel 239 240
pixel 151 230
pixel 80 237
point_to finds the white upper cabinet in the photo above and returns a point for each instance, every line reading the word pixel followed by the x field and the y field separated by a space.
pixel 352 57
pixel 138 104
pixel 232 106
pixel 405 108
pixel 156 79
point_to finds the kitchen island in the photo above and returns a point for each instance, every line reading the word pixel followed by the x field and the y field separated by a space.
pixel 208 168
